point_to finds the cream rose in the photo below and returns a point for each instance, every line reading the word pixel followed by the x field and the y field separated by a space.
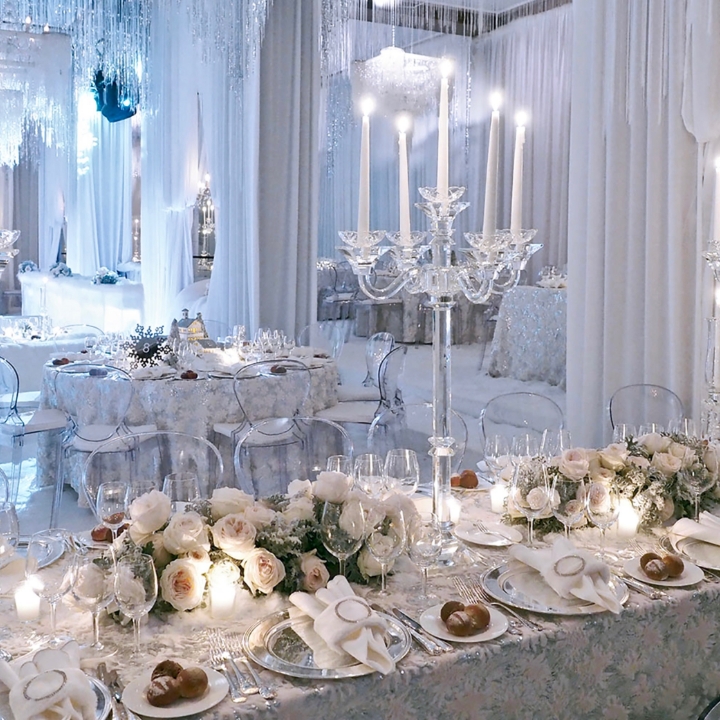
pixel 315 574
pixel 185 532
pixel 639 462
pixel 299 487
pixel 133 591
pixel 182 585
pixel 574 464
pixel 332 487
pixel 666 463
pixel 160 555
pixel 229 501
pixel 654 442
pixel 685 454
pixel 259 515
pixel 602 475
pixel 399 503
pixel 368 565
pixel 149 512
pixel 234 535
pixel 353 518
pixel 201 559
pixel 710 458
pixel 614 456
pixel 299 508
pixel 598 498
pixel 262 571
pixel 537 499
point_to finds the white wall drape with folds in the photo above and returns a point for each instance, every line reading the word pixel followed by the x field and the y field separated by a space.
pixel 635 292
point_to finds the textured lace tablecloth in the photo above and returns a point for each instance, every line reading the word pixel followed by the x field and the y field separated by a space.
pixel 531 336
pixel 658 659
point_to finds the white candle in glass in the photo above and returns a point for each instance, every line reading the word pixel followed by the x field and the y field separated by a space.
pixel 443 158
pixel 516 205
pixel 491 176
pixel 716 223
pixel 367 107
pixel 222 600
pixel 27 603
pixel 628 519
pixel 498 496
pixel 403 124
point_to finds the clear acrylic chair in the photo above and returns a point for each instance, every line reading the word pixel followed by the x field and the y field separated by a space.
pixel 376 349
pixel 512 414
pixel 67 336
pixel 264 468
pixel 145 459
pixel 327 337
pixel 645 404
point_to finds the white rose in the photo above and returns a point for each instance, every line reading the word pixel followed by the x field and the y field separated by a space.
pixel 574 464
pixel 299 487
pixel 710 458
pixel 185 532
pixel 398 503
pixel 352 519
pixel 149 512
pixel 332 487
pixel 200 558
pixel 685 454
pixel 299 508
pixel 133 591
pixel 182 585
pixel 160 555
pixel 598 498
pixel 262 571
pixel 507 473
pixel 654 442
pixel 90 581
pixel 639 462
pixel 614 456
pixel 666 463
pixel 259 515
pixel 234 535
pixel 229 501
pixel 537 499
pixel 369 566
pixel 315 574
pixel 602 475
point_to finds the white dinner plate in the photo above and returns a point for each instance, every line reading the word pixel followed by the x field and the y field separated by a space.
pixel 432 623
pixel 469 532
pixel 134 697
pixel 85 538
pixel 704 554
pixel 691 574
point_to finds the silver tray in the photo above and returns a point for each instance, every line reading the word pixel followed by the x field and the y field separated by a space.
pixel 273 644
pixel 508 585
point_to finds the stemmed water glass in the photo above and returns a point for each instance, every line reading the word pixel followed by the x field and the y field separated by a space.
pixel 112 505
pixel 602 504
pixel 342 529
pixel 530 491
pixel 182 488
pixel 93 585
pixel 623 431
pixel 555 442
pixel 9 532
pixel 696 480
pixel 497 450
pixel 370 474
pixel 136 589
pixel 425 547
pixel 48 567
pixel 386 542
pixel 340 463
pixel 524 447
pixel 401 471
pixel 568 501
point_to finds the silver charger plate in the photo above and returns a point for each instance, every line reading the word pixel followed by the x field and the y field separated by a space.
pixel 273 644
pixel 104 704
pixel 512 586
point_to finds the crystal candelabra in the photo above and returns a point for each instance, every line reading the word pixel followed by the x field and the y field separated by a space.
pixel 7 252
pixel 432 266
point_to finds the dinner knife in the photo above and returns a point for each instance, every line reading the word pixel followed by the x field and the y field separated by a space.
pixel 416 629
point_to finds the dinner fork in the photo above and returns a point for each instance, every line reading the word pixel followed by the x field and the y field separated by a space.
pixel 267 692
pixel 218 663
pixel 483 528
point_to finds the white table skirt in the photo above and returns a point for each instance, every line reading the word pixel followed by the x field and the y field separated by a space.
pixel 28 357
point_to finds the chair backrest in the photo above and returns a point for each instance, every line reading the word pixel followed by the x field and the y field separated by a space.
pixel 271 454
pixel 411 428
pixel 96 398
pixel 645 404
pixel 376 348
pixel 143 460
pixel 329 336
pixel 511 414
pixel 389 373
pixel 74 334
pixel 9 388
pixel 288 380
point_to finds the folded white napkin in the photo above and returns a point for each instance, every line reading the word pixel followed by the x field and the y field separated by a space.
pixel 570 572
pixel 707 529
pixel 347 625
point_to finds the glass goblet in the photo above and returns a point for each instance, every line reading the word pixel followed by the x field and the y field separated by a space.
pixel 524 447
pixel 182 488
pixel 370 474
pixel 602 505
pixel 9 533
pixel 401 471
pixel 136 590
pixel 530 492
pixel 696 481
pixel 568 501
pixel 623 431
pixel 342 529
pixel 555 442
pixel 112 505
pixel 497 451
pixel 93 585
pixel 386 542
pixel 340 463
pixel 425 547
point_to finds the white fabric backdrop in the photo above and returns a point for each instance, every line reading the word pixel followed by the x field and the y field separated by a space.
pixel 635 294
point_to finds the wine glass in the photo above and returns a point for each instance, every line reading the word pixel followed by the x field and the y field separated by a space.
pixel 93 585
pixel 370 474
pixel 342 529
pixel 112 505
pixel 524 447
pixel 386 542
pixel 623 431
pixel 602 504
pixel 530 491
pixel 497 450
pixel 401 471
pixel 340 463
pixel 696 480
pixel 9 533
pixel 425 547
pixel 182 488
pixel 136 589
pixel 568 501
pixel 48 567
pixel 685 427
pixel 555 442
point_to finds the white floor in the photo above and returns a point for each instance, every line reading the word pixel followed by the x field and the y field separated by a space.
pixel 471 389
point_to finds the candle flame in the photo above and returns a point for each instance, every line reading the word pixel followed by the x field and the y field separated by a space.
pixel 521 118
pixel 367 105
pixel 28 20
pixel 446 67
pixel 403 123
pixel 495 101
pixel 46 28
pixel 207 178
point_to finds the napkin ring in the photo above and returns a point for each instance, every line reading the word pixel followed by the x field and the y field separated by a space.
pixel 63 682
pixel 574 567
pixel 352 601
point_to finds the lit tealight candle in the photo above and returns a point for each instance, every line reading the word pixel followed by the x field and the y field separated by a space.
pixel 498 495
pixel 222 599
pixel 27 603
pixel 628 519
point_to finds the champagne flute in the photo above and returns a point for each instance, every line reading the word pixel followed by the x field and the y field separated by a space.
pixel 602 505
pixel 112 505
pixel 342 529
pixel 93 585
pixel 385 543
pixel 9 533
pixel 136 590
pixel 425 547
pixel 48 567
pixel 340 463
pixel 369 474
pixel 530 492
pixel 401 471
pixel 568 501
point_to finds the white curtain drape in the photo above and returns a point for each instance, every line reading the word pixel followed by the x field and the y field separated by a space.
pixel 635 294
pixel 54 180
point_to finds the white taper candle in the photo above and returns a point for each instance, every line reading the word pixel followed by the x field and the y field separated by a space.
pixel 364 198
pixel 491 176
pixel 443 157
pixel 403 180
pixel 516 205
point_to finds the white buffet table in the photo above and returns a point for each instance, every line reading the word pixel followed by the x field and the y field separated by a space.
pixel 74 300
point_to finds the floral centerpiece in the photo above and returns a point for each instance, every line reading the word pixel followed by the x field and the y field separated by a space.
pixel 28 266
pixel 267 545
pixel 60 269
pixel 103 276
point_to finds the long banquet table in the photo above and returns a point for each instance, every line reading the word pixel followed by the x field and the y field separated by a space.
pixel 657 659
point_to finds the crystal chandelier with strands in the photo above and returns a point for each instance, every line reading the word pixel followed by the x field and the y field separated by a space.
pixel 431 263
